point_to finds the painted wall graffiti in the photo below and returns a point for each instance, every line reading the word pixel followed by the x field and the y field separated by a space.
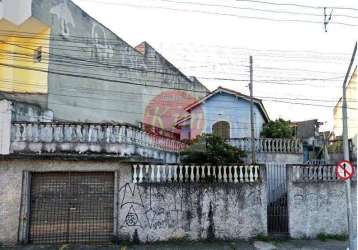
pixel 101 49
pixel 315 200
pixel 64 15
pixel 160 212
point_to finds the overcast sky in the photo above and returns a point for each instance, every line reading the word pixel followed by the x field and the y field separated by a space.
pixel 289 57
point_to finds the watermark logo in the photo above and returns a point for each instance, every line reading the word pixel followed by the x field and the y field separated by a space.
pixel 167 110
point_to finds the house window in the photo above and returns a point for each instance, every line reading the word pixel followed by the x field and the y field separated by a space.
pixel 222 129
pixel 38 54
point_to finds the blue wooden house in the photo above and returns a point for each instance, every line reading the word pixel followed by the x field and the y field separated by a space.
pixel 223 112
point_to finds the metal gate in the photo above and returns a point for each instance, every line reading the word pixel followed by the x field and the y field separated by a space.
pixel 71 207
pixel 277 210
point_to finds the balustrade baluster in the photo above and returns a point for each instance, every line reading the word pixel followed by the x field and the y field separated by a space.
pixel 334 173
pixel 219 174
pixel 319 174
pixel 152 177
pixel 186 177
pixel 23 132
pixel 29 132
pixel 192 173
pixel 175 173
pixel 224 174
pixel 140 174
pixel 146 175
pixel 269 148
pixel 42 133
pixel 209 170
pixel 169 173
pixel 35 133
pixel 256 173
pixel 181 173
pixel 134 173
pixel 203 173
pixel 241 174
pixel 230 173
pixel 60 134
pixel 235 174
pixel 324 176
pixel 214 172
pixel 158 173
pixel 246 175
pixel 197 173
pixel 251 174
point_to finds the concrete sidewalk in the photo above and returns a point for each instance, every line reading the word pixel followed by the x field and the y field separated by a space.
pixel 215 245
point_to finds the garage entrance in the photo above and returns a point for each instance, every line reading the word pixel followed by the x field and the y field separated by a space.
pixel 71 207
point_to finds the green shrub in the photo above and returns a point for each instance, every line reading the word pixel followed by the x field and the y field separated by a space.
pixel 278 129
pixel 213 150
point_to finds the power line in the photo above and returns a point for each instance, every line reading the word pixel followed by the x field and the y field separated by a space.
pixel 81 40
pixel 155 95
pixel 57 46
pixel 298 5
pixel 87 77
pixel 222 14
pixel 247 8
pixel 107 65
pixel 76 65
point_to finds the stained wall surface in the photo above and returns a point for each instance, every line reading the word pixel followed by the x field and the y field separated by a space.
pixel 147 212
pixel 319 207
pixel 191 211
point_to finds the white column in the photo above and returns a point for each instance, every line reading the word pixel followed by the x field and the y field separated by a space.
pixel 5 127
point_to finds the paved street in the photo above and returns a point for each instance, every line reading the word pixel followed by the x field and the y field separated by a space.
pixel 242 245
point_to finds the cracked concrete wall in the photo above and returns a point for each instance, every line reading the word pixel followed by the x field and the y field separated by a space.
pixel 319 207
pixel 192 211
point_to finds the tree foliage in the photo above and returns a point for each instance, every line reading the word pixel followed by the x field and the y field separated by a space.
pixel 278 129
pixel 211 149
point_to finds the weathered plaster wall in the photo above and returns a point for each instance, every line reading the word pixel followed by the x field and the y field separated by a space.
pixel 192 211
pixel 319 207
pixel 150 212
pixel 278 157
pixel 11 172
pixel 104 76
pixel 26 112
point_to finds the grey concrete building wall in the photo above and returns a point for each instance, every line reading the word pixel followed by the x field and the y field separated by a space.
pixel 147 212
pixel 96 76
pixel 190 211
pixel 319 208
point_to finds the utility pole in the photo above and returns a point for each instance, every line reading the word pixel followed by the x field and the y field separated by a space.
pixel 346 154
pixel 253 151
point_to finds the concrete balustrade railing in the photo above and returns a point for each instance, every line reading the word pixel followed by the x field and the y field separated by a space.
pixel 90 133
pixel 96 138
pixel 269 145
pixel 314 173
pixel 194 173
